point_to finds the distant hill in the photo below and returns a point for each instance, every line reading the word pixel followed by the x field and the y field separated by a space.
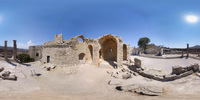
pixel 11 48
pixel 195 47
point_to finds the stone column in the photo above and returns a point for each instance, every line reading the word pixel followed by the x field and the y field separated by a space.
pixel 161 51
pixel 182 54
pixel 14 49
pixel 187 50
pixel 5 50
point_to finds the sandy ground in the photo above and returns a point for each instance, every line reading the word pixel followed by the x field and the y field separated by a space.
pixel 89 82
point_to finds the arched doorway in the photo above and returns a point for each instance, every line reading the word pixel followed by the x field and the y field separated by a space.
pixel 100 54
pixel 109 48
pixel 124 52
pixel 90 52
pixel 81 56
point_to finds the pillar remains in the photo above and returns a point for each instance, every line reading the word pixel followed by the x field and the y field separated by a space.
pixel 14 49
pixel 182 54
pixel 187 50
pixel 5 50
pixel 161 51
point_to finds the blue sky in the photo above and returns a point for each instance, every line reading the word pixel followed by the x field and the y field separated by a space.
pixel 33 22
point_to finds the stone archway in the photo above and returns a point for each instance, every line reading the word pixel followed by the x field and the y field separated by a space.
pixel 124 52
pixel 81 56
pixel 100 54
pixel 109 48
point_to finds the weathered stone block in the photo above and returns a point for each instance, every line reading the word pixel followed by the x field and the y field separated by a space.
pixel 137 62
pixel 6 74
pixel 159 78
pixel 186 73
pixel 195 67
pixel 10 77
pixel 176 70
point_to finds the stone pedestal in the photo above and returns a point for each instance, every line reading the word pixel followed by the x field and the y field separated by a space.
pixel 14 49
pixel 5 50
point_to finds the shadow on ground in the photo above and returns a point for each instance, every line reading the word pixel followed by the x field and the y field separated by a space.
pixel 11 62
pixel 112 63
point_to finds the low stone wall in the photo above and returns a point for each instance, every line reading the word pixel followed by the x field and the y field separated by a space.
pixel 178 69
pixel 171 77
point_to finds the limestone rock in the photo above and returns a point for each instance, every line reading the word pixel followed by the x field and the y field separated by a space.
pixel 115 75
pixel 10 77
pixel 126 76
pixel 114 82
pixel 6 74
pixel 109 72
pixel 195 67
pixel 176 70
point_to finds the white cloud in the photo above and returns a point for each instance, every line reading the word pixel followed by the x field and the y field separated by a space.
pixel 30 43
pixel 25 46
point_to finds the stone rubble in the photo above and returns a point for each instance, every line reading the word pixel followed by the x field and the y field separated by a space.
pixel 144 90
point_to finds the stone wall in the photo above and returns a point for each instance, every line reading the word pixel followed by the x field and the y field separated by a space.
pixel 35 52
pixel 169 77
pixel 67 52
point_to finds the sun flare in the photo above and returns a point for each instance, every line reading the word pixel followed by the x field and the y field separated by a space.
pixel 192 18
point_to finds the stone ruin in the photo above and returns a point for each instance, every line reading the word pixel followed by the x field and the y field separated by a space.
pixel 72 52
pixel 177 72
pixel 6 51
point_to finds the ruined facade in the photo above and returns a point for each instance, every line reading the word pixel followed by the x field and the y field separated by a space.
pixel 72 52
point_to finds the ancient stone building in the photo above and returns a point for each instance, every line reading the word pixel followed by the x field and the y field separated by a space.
pixel 72 52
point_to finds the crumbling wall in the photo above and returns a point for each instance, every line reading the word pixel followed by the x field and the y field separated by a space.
pixel 35 52
pixel 128 51
pixel 69 52
pixel 124 52
pixel 60 55
pixel 58 38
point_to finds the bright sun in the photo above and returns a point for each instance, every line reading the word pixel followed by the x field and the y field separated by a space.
pixel 191 18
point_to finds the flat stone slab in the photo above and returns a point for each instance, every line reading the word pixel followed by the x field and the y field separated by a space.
pixel 114 82
pixel 126 76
